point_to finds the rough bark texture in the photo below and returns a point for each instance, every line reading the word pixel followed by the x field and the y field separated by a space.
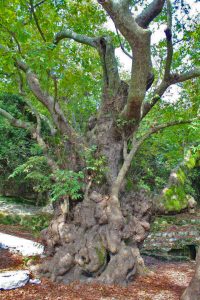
pixel 87 245
pixel 193 290
pixel 106 134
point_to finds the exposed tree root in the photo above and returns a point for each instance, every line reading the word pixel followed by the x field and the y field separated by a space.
pixel 89 245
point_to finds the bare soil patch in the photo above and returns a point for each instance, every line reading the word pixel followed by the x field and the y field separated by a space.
pixel 9 261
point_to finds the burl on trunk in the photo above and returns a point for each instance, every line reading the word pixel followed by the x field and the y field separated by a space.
pixel 98 240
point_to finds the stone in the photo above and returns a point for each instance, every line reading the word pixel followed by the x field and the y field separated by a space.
pixel 191 211
pixel 178 240
pixel 191 204
pixel 3 246
pixel 35 281
pixel 13 279
pixel 21 245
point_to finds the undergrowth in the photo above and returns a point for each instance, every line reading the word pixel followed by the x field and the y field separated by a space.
pixel 33 223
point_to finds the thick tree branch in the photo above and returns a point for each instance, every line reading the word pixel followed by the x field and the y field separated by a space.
pixel 109 64
pixel 159 91
pixel 42 143
pixel 80 38
pixel 139 40
pixel 52 128
pixel 42 117
pixel 124 169
pixel 150 13
pixel 177 78
pixel 122 17
pixel 55 110
pixel 21 65
pixel 34 85
pixel 55 83
pixel 16 122
pixel 106 51
pixel 55 91
pixel 168 33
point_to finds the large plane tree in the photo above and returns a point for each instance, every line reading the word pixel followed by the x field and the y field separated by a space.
pixel 60 58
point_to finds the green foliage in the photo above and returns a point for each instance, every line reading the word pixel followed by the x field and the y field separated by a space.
pixel 181 176
pixel 36 171
pixel 67 182
pixel 95 166
pixel 175 196
pixel 16 145
pixel 191 163
pixel 101 253
pixel 175 199
pixel 76 67
pixel 36 223
pixel 33 223
pixel 59 184
pixel 163 151
pixel 192 185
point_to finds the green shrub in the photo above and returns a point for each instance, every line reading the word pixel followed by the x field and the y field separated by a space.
pixel 33 223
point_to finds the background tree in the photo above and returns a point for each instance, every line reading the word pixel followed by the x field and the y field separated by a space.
pixel 18 148
pixel 59 63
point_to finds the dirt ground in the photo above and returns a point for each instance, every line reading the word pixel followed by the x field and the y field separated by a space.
pixel 166 282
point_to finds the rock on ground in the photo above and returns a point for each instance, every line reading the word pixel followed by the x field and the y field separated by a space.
pixel 23 246
pixel 13 279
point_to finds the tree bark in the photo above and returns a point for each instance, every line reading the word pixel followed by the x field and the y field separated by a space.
pixel 193 290
pixel 90 242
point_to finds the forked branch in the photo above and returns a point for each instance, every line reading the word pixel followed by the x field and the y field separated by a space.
pixel 106 52
pixel 172 79
pixel 136 143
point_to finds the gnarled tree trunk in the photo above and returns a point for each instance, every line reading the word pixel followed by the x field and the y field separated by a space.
pixel 193 290
pixel 100 237
pixel 98 240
